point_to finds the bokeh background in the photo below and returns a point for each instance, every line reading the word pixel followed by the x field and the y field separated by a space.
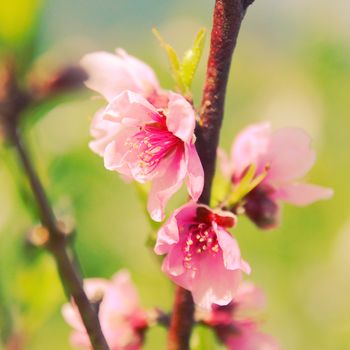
pixel 291 66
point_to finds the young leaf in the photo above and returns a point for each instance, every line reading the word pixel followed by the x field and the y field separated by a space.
pixel 174 61
pixel 183 72
pixel 191 59
pixel 247 184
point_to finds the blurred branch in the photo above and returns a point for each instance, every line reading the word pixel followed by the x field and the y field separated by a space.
pixel 13 101
pixel 228 15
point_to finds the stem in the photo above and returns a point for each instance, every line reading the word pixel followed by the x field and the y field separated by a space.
pixel 227 18
pixel 57 245
pixel 181 321
pixel 13 101
pixel 228 15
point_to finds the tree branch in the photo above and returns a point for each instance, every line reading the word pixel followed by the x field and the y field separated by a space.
pixel 10 108
pixel 228 15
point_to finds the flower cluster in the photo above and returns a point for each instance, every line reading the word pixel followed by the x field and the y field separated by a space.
pixel 147 134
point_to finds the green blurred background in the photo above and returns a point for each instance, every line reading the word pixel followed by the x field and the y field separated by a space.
pixel 291 66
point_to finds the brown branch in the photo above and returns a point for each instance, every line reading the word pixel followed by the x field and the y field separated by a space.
pixel 181 321
pixel 228 15
pixel 10 109
pixel 57 245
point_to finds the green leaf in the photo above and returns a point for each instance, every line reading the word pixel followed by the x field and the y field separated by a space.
pixel 191 59
pixel 183 72
pixel 174 61
pixel 247 184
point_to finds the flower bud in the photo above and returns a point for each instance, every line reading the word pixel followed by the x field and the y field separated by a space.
pixel 261 208
pixel 64 80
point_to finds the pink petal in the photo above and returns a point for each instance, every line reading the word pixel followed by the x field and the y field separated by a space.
pixel 142 74
pixel 111 74
pixel 249 300
pixel 226 165
pixel 116 154
pixel 250 144
pixel 230 250
pixel 167 236
pixel 103 131
pixel 128 294
pixel 184 280
pixel 173 262
pixel 195 173
pixel 107 74
pixel 250 339
pixel 213 283
pixel 80 340
pixel 302 194
pixel 120 304
pixel 181 119
pixel 289 155
pixel 173 174
pixel 186 214
pixel 130 109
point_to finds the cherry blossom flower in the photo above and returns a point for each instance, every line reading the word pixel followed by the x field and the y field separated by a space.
pixel 202 256
pixel 157 145
pixel 286 156
pixel 236 324
pixel 122 320
pixel 144 133
pixel 111 74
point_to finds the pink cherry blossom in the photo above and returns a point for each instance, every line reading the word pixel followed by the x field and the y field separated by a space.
pixel 286 155
pixel 149 144
pixel 122 320
pixel 202 256
pixel 111 74
pixel 145 133
pixel 236 324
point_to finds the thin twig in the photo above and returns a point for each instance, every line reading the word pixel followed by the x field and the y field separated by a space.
pixel 10 110
pixel 228 15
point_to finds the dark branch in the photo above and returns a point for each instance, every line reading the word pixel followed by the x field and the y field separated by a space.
pixel 12 103
pixel 228 15
pixel 182 320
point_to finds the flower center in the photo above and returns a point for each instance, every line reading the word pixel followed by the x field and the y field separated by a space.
pixel 153 143
pixel 201 238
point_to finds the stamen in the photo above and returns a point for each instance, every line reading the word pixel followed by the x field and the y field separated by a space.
pixel 153 142
pixel 201 239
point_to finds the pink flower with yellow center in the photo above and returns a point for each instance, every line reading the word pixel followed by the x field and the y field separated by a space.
pixel 286 156
pixel 201 255
pixel 122 320
pixel 111 74
pixel 145 133
pixel 156 145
